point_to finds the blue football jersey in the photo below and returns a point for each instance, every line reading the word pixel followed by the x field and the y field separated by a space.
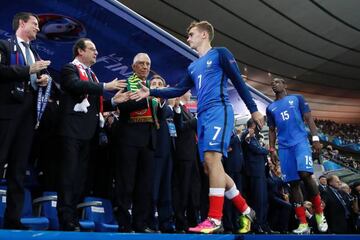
pixel 210 74
pixel 286 115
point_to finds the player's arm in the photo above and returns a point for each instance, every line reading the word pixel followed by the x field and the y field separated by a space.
pixel 272 141
pixel 272 136
pixel 231 70
pixel 309 120
pixel 170 92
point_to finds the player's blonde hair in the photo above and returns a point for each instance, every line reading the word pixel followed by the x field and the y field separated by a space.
pixel 203 26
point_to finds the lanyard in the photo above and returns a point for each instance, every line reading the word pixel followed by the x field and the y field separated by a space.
pixel 42 102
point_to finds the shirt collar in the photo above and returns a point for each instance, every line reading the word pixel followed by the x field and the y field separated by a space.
pixel 76 61
pixel 20 40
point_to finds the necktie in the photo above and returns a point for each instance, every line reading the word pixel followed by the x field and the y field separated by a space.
pixel 88 71
pixel 30 61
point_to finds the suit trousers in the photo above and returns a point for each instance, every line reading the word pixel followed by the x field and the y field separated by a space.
pixel 74 162
pixel 186 193
pixel 133 186
pixel 16 136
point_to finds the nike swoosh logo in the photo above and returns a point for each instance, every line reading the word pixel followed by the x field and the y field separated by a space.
pixel 212 144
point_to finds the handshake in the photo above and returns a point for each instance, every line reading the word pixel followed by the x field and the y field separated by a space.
pixel 118 85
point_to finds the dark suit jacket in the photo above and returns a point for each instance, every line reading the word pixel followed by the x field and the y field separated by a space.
pixel 186 126
pixel 335 211
pixel 165 143
pixel 135 134
pixel 10 76
pixel 254 155
pixel 12 111
pixel 73 124
pixel 235 160
pixel 276 187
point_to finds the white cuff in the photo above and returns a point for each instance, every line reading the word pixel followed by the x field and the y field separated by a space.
pixel 315 139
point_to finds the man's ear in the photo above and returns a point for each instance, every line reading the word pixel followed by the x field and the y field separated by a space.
pixel 205 34
pixel 21 22
pixel 79 51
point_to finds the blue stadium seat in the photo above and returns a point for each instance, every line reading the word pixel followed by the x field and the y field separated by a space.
pixel 46 206
pixel 100 211
pixel 27 219
pixel 2 205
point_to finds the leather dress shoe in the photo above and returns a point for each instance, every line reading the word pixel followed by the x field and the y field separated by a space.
pixel 70 227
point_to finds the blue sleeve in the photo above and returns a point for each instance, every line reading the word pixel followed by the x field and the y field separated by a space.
pixel 270 118
pixel 303 105
pixel 180 89
pixel 231 70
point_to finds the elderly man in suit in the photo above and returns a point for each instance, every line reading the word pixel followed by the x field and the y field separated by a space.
pixel 137 141
pixel 338 209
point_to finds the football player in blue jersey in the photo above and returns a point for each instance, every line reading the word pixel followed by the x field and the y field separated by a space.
pixel 210 74
pixel 286 116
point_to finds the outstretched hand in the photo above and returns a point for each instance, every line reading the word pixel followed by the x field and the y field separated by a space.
pixel 121 97
pixel 142 93
pixel 115 85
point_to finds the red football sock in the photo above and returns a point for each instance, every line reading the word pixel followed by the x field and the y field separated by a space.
pixel 216 204
pixel 300 213
pixel 240 203
pixel 316 201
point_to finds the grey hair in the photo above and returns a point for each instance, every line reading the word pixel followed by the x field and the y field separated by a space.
pixel 137 56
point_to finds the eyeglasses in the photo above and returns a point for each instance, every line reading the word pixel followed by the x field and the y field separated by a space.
pixel 91 49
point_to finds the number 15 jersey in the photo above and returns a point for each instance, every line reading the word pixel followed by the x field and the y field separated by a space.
pixel 286 115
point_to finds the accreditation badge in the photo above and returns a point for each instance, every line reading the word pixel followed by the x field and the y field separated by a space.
pixel 0 57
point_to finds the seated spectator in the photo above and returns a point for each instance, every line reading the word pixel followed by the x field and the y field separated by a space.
pixel 337 207
pixel 280 208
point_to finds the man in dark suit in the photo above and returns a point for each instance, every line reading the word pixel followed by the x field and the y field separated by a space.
pixel 234 167
pixel 186 177
pixel 337 207
pixel 21 75
pixel 163 163
pixel 255 157
pixel 80 114
pixel 280 208
pixel 136 137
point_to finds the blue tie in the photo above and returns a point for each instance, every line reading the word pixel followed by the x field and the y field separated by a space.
pixel 30 61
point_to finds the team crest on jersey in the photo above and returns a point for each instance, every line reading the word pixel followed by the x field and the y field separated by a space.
pixel 208 63
pixel 291 102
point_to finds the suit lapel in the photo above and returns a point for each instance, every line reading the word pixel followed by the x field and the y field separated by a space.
pixel 186 112
pixel 18 50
